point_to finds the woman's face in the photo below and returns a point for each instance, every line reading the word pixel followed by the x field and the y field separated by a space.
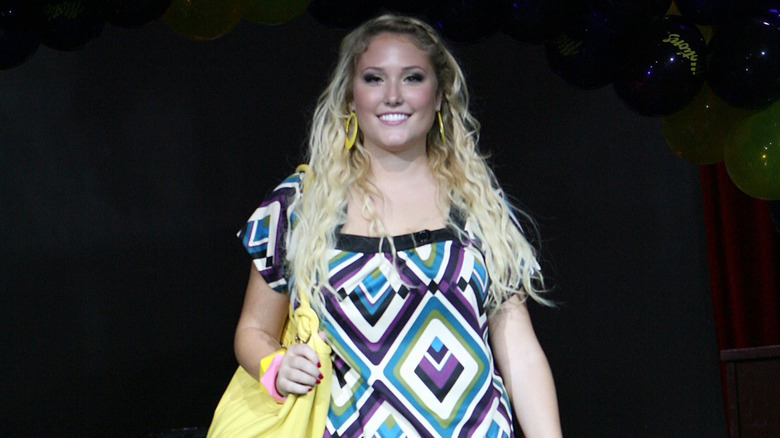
pixel 395 94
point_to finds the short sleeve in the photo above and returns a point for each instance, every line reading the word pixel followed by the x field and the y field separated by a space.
pixel 527 258
pixel 266 234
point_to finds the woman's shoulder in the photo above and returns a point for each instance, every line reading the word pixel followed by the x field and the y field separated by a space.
pixel 294 179
pixel 294 182
pixel 286 192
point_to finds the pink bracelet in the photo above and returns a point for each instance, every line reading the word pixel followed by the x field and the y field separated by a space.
pixel 268 376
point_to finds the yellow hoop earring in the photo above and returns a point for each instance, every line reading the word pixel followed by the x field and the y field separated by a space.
pixel 441 129
pixel 351 137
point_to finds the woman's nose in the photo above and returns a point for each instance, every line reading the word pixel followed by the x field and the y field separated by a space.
pixel 393 95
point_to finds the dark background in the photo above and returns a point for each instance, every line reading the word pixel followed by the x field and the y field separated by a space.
pixel 127 166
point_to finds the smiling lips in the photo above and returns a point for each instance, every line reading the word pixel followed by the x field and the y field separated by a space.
pixel 393 118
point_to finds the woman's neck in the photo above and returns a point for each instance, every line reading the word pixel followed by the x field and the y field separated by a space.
pixel 407 198
pixel 393 168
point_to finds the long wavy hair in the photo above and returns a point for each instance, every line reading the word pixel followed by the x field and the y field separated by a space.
pixel 459 169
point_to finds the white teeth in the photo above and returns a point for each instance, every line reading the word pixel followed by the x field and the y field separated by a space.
pixel 395 117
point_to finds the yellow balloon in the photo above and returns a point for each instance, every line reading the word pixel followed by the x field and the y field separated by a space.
pixel 706 32
pixel 204 19
pixel 697 133
pixel 752 154
pixel 274 12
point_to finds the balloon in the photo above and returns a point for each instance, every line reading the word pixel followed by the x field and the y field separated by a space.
pixel 407 6
pixel 17 43
pixel 66 24
pixel 662 69
pixel 698 132
pixel 342 14
pixel 621 15
pixel 204 19
pixel 706 31
pixel 464 21
pixel 708 12
pixel 769 10
pixel 770 7
pixel 539 21
pixel 584 56
pixel 134 13
pixel 275 11
pixel 752 154
pixel 744 62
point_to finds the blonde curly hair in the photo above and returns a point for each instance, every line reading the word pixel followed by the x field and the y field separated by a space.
pixel 459 169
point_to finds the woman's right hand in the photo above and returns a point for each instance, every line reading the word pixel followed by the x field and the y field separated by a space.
pixel 299 371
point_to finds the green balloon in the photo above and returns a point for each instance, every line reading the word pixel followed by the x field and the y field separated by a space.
pixel 697 133
pixel 204 19
pixel 274 12
pixel 752 154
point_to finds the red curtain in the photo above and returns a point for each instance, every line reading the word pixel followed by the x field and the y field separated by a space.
pixel 744 259
pixel 743 250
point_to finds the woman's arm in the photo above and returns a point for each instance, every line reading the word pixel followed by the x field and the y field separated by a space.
pixel 525 370
pixel 257 336
pixel 260 324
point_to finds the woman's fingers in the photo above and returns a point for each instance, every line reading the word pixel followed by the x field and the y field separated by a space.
pixel 304 351
pixel 299 370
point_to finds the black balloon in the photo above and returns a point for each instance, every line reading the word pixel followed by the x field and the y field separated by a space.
pixel 769 11
pixel 709 12
pixel 539 21
pixel 133 13
pixel 17 41
pixel 661 70
pixel 744 62
pixel 66 24
pixel 621 15
pixel 585 55
pixel 464 21
pixel 341 14
pixel 763 5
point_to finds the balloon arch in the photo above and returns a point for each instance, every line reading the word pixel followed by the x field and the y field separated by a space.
pixel 709 68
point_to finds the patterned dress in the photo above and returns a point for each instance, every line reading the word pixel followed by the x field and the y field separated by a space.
pixel 411 353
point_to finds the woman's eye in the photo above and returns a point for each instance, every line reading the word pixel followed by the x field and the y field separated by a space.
pixel 371 78
pixel 415 78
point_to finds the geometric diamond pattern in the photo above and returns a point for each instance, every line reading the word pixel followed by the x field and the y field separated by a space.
pixel 439 370
pixel 442 391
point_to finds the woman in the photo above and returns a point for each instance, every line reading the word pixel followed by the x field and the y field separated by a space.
pixel 409 251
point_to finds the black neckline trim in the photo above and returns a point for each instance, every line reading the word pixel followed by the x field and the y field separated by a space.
pixel 355 243
pixel 403 242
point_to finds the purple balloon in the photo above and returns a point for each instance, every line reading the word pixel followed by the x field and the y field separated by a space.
pixel 464 21
pixel 744 62
pixel 709 12
pixel 663 67
pixel 623 15
pixel 585 55
pixel 66 24
pixel 539 21
pixel 134 13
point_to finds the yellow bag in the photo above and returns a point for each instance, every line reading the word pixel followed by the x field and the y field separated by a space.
pixel 246 410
